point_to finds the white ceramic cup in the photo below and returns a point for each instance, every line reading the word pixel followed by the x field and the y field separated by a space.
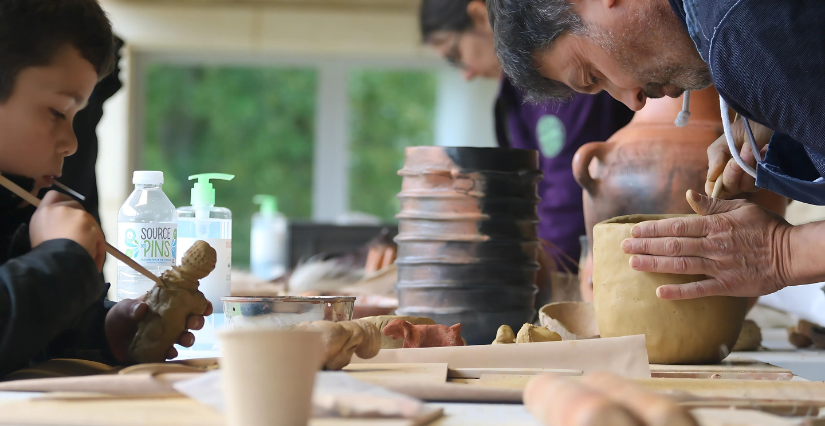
pixel 268 375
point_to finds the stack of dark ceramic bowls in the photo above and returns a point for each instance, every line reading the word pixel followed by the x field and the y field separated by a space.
pixel 467 241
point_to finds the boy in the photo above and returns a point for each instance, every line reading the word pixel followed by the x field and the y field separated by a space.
pixel 52 297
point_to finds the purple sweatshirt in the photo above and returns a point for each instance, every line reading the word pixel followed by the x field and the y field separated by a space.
pixel 557 130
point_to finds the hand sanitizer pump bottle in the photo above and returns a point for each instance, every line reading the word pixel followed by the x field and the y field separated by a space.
pixel 268 244
pixel 204 221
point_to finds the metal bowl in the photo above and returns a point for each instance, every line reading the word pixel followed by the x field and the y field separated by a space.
pixel 285 311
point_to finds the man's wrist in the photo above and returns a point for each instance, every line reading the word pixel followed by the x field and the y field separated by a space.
pixel 805 243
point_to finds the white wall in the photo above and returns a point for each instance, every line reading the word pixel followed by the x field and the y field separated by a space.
pixel 464 111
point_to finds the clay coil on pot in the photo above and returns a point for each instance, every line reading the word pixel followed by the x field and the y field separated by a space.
pixel 697 331
pixel 467 241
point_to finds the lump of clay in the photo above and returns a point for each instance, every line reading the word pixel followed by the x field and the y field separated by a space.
pixel 600 399
pixel 504 335
pixel 806 334
pixel 750 338
pixel 171 304
pixel 697 331
pixel 381 321
pixel 342 339
pixel 424 336
pixel 532 334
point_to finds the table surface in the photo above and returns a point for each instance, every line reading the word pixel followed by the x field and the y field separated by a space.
pixel 808 364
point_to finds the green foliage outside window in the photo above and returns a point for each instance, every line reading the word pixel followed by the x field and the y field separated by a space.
pixel 258 124
pixel 389 110
pixel 255 123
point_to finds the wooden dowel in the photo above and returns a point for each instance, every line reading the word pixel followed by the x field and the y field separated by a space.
pixel 717 188
pixel 31 199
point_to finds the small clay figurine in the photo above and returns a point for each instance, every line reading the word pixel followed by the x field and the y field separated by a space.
pixel 504 335
pixel 425 335
pixel 532 334
pixel 381 321
pixel 342 339
pixel 171 304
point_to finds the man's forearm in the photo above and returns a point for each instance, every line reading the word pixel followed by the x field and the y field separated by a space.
pixel 807 253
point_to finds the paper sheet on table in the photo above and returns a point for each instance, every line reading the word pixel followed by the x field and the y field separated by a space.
pixel 625 356
pixel 336 394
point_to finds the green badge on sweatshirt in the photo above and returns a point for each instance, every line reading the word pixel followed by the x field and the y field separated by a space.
pixel 550 133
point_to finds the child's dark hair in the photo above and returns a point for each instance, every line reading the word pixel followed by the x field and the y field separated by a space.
pixel 32 31
pixel 443 15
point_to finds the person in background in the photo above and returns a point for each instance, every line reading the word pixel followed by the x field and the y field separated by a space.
pixel 460 31
pixel 52 296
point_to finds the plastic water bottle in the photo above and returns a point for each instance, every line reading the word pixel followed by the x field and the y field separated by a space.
pixel 147 231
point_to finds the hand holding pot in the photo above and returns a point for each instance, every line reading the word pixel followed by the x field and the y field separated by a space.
pixel 744 250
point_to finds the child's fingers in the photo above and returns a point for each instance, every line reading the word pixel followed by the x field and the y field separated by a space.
pixel 172 353
pixel 186 339
pixel 208 310
pixel 195 322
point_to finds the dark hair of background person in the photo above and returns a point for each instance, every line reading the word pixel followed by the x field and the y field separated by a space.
pixel 443 15
pixel 524 27
pixel 32 31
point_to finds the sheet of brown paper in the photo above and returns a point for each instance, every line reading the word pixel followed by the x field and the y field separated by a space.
pixel 625 356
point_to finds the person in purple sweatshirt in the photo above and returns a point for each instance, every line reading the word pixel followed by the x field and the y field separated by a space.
pixel 460 31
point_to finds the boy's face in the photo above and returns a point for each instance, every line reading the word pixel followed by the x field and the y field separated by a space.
pixel 36 121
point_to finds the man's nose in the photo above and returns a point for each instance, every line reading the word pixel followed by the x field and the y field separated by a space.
pixel 633 98
pixel 468 75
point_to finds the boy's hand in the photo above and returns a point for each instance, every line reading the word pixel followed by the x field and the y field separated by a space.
pixel 61 217
pixel 122 324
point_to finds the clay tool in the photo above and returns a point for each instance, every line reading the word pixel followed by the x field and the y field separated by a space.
pixel 71 191
pixel 31 199
pixel 717 188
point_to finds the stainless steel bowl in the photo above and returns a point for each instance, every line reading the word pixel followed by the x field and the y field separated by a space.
pixel 285 311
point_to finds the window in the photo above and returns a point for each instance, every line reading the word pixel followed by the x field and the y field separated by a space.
pixel 389 111
pixel 255 123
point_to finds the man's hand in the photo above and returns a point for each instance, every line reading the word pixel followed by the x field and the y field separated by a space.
pixel 721 163
pixel 742 248
pixel 122 323
pixel 61 217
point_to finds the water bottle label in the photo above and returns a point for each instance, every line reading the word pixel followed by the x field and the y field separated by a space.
pixel 150 244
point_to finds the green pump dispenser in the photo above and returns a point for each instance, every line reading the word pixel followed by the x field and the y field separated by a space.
pixel 203 193
pixel 269 204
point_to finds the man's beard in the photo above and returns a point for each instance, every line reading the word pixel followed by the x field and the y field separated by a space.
pixel 654 48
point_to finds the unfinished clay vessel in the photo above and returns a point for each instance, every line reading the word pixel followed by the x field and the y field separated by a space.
pixel 171 304
pixel 647 166
pixel 697 331
pixel 467 240
pixel 572 320
pixel 425 335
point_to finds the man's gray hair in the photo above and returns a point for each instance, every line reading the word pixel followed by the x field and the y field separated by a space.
pixel 524 27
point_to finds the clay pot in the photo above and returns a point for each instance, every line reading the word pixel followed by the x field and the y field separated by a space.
pixel 697 331
pixel 467 241
pixel 648 166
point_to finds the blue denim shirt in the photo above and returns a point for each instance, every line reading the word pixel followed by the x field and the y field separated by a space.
pixel 767 60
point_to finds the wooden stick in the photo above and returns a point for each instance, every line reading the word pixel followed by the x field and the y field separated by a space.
pixel 717 188
pixel 31 199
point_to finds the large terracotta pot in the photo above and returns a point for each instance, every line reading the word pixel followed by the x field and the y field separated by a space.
pixel 697 331
pixel 647 166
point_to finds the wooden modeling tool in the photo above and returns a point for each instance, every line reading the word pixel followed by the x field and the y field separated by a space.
pixel 717 188
pixel 31 199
